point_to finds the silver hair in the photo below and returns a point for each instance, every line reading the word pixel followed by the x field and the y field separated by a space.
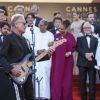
pixel 15 17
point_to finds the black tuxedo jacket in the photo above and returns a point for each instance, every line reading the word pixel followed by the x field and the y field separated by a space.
pixel 82 48
pixel 96 28
pixel 0 42
pixel 53 30
pixel 50 25
pixel 38 19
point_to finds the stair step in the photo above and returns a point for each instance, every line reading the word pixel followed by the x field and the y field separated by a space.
pixel 76 89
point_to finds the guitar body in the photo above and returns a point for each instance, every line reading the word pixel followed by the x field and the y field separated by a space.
pixel 25 69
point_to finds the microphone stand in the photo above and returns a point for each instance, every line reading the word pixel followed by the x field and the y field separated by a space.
pixel 38 81
pixel 34 62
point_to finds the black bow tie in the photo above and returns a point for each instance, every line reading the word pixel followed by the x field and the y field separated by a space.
pixel 88 36
pixel 2 35
pixel 30 25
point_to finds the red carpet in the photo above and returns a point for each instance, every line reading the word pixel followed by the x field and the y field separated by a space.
pixel 76 93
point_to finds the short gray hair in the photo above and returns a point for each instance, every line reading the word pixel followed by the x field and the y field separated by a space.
pixel 15 17
pixel 43 22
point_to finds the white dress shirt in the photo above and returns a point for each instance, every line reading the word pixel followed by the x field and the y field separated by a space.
pixel 88 41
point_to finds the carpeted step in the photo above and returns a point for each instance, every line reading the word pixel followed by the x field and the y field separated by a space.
pixel 76 89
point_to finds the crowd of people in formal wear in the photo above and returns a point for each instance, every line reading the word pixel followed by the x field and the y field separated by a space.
pixel 59 49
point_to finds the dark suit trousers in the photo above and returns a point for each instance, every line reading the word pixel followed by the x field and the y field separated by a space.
pixel 92 78
pixel 7 91
pixel 26 90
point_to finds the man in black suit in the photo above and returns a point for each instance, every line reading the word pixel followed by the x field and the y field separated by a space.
pixel 86 47
pixel 95 26
pixel 57 21
pixel 14 49
pixel 56 14
pixel 34 10
pixel 5 29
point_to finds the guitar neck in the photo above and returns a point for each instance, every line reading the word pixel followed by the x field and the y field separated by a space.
pixel 56 44
pixel 41 56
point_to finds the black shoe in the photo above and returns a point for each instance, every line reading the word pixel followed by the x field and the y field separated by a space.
pixel 92 98
pixel 84 98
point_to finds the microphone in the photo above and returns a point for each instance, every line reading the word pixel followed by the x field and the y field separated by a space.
pixel 31 27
